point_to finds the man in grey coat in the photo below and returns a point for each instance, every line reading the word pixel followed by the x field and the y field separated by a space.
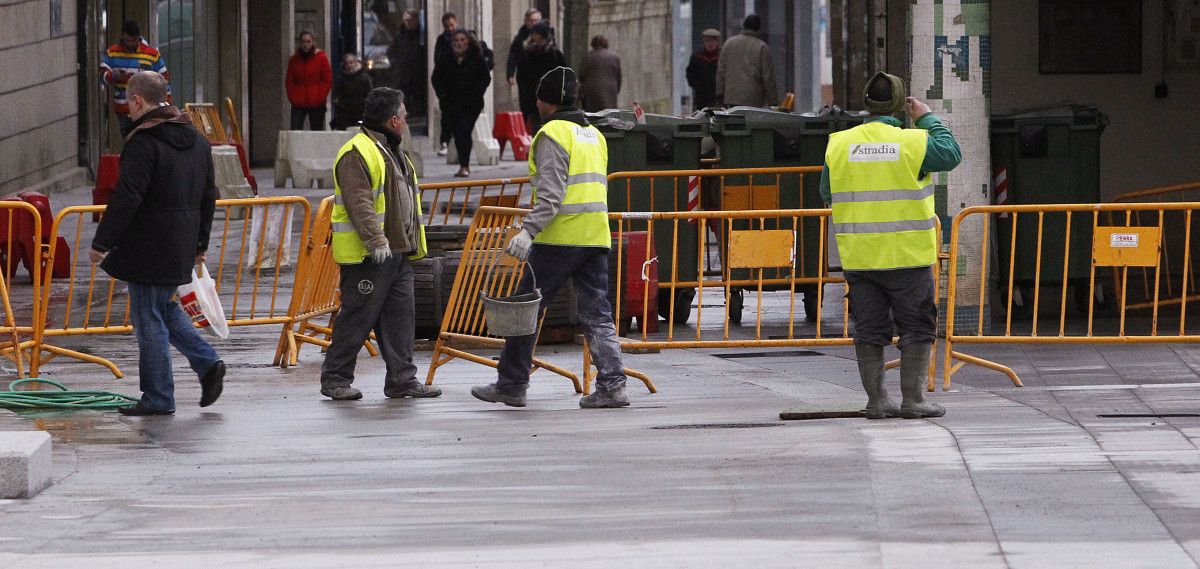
pixel 745 76
pixel 599 78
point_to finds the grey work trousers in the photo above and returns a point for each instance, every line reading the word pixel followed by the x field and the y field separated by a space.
pixel 905 296
pixel 587 267
pixel 379 298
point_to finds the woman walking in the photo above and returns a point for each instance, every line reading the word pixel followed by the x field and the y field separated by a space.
pixel 460 82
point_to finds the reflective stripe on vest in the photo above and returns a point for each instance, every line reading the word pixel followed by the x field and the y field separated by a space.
pixel 883 213
pixel 582 218
pixel 347 246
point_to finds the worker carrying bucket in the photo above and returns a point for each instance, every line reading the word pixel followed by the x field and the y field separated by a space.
pixel 565 236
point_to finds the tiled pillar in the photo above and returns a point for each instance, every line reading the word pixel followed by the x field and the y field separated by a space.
pixel 951 71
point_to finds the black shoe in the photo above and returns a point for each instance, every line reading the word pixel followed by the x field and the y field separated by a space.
pixel 212 383
pixel 416 390
pixel 139 410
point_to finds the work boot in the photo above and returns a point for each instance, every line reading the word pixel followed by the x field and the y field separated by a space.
pixel 212 383
pixel 492 394
pixel 346 393
pixel 870 370
pixel 414 389
pixel 605 399
pixel 914 369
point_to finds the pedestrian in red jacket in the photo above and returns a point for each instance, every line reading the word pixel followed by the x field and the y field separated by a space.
pixel 309 79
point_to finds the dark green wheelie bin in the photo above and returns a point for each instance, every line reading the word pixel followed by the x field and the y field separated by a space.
pixel 1047 155
pixel 751 137
pixel 663 143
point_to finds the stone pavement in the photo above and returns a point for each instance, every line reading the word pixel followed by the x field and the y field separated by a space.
pixel 702 474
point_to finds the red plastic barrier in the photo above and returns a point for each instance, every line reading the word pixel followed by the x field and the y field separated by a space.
pixel 62 261
pixel 241 150
pixel 106 180
pixel 510 127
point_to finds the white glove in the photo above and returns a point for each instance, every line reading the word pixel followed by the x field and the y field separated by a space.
pixel 381 254
pixel 519 245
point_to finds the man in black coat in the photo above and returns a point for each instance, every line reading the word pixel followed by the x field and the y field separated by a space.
pixel 154 232
pixel 538 58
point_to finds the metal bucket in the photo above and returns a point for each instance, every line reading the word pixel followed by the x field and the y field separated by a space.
pixel 515 315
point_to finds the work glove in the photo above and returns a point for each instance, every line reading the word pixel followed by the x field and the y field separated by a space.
pixel 381 254
pixel 519 245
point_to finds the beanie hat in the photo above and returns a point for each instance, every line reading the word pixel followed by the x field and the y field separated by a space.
pixel 884 94
pixel 558 87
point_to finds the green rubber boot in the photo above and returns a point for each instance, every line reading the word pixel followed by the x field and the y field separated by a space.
pixel 914 369
pixel 870 370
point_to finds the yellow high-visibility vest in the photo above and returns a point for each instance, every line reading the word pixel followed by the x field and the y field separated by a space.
pixel 582 218
pixel 348 246
pixel 883 211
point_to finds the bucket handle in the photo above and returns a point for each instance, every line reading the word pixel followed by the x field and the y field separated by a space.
pixel 496 262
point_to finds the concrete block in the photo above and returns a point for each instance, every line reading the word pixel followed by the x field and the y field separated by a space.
pixel 311 154
pixel 24 463
pixel 283 170
pixel 406 144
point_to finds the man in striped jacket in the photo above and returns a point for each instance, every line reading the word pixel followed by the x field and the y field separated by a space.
pixel 122 60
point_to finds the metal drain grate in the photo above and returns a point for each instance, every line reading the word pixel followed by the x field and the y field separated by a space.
pixel 715 426
pixel 781 354
pixel 1146 415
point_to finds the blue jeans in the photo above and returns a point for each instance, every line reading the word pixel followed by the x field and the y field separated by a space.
pixel 587 267
pixel 159 322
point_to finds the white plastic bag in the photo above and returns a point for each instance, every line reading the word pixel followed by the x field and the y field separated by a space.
pixel 278 236
pixel 200 301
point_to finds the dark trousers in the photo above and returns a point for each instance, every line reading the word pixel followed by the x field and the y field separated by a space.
pixel 315 116
pixel 379 298
pixel 158 323
pixel 464 127
pixel 587 267
pixel 447 127
pixel 900 300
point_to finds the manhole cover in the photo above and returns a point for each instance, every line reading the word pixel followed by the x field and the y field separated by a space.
pixel 715 426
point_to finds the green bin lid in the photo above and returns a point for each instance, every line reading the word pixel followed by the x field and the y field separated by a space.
pixel 1077 117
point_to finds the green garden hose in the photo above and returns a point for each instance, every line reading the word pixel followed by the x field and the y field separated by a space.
pixel 26 400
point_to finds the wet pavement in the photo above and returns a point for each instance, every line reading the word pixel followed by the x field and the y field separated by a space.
pixel 1093 464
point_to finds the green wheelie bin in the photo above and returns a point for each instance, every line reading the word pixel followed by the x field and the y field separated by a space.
pixel 662 143
pixel 1047 155
pixel 751 137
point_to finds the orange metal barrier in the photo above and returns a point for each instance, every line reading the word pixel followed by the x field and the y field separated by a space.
pixel 19 333
pixel 1115 240
pixel 250 275
pixel 314 294
pixel 453 203
pixel 1171 292
pixel 463 325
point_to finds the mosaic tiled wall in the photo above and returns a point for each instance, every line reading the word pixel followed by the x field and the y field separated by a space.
pixel 951 71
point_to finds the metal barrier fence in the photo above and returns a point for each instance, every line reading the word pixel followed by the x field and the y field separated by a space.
pixel 1072 247
pixel 251 246
pixel 486 269
pixel 1173 253
pixel 21 232
pixel 454 203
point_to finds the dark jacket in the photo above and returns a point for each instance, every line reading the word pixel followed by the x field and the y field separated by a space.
pixel 406 55
pixel 160 214
pixel 441 46
pixel 514 51
pixel 599 80
pixel 460 85
pixel 702 78
pixel 531 66
pixel 350 97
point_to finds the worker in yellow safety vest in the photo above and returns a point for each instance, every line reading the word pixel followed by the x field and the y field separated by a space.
pixel 377 233
pixel 565 236
pixel 877 178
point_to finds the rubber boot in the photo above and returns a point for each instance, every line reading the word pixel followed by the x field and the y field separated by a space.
pixel 870 370
pixel 914 370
